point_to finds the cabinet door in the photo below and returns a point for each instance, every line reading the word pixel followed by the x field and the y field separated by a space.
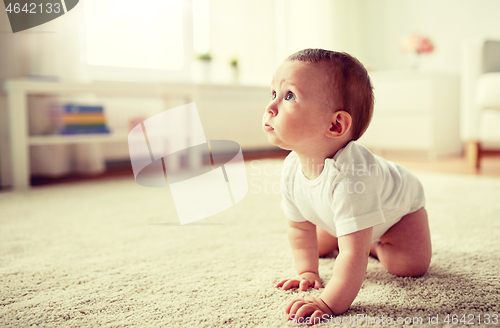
pixel 403 96
pixel 412 132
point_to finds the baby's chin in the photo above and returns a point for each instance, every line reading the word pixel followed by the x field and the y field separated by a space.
pixel 278 143
pixel 275 140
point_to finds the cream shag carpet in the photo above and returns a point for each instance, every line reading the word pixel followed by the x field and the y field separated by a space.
pixel 113 254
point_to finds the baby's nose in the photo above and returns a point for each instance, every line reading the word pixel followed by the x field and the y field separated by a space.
pixel 272 108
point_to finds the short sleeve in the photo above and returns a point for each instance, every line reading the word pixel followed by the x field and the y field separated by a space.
pixel 356 204
pixel 287 183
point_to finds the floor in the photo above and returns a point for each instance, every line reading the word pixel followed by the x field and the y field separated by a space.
pixel 124 169
pixel 114 254
pixel 490 166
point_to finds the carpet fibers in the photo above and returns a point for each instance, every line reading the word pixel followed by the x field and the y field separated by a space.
pixel 113 254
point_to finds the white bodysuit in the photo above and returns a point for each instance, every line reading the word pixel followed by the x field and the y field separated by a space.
pixel 356 190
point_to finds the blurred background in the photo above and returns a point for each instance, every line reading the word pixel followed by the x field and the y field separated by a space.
pixel 222 54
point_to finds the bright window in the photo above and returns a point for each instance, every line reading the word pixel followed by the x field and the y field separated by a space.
pixel 201 26
pixel 147 34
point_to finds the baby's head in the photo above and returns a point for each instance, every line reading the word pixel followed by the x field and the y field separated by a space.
pixel 348 85
pixel 320 100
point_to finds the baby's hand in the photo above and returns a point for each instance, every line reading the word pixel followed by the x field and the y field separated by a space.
pixel 298 310
pixel 304 281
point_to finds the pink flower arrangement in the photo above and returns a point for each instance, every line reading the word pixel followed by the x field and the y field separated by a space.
pixel 416 43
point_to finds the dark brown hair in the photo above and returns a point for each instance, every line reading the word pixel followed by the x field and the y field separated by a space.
pixel 349 85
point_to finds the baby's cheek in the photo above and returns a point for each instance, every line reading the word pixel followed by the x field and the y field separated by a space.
pixel 294 127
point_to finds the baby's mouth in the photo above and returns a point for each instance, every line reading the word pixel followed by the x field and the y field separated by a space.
pixel 267 127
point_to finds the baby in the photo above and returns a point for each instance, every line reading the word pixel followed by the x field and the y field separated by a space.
pixel 337 195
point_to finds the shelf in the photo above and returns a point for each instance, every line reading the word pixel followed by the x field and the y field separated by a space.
pixel 121 89
pixel 74 139
pixel 219 100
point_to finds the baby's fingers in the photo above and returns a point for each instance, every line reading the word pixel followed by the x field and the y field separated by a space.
pixel 280 283
pixel 316 317
pixel 289 306
pixel 305 310
pixel 283 282
pixel 304 284
pixel 291 283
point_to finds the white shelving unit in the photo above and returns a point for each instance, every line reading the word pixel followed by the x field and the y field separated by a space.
pixel 74 139
pixel 20 141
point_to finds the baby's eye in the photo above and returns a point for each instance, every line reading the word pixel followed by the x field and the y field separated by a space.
pixel 290 96
pixel 273 95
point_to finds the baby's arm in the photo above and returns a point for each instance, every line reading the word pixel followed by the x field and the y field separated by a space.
pixel 348 274
pixel 302 237
pixel 349 270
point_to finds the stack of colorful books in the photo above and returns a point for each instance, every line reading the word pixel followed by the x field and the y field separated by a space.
pixel 80 119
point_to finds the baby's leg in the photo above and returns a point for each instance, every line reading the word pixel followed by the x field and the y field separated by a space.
pixel 405 249
pixel 326 242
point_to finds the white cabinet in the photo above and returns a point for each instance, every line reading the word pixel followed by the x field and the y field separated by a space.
pixel 232 112
pixel 415 111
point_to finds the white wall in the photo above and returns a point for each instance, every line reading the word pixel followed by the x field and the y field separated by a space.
pixel 447 22
pixel 261 33
pixel 242 29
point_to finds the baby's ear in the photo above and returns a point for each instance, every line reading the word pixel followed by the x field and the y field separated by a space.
pixel 340 125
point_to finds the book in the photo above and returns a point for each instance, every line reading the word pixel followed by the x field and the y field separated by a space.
pixel 85 130
pixel 72 108
pixel 87 118
pixel 82 119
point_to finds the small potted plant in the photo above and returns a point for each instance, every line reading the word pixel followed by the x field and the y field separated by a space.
pixel 235 72
pixel 205 57
pixel 204 66
pixel 416 45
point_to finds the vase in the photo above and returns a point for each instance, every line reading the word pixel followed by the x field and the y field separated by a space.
pixel 201 71
pixel 205 71
pixel 414 60
pixel 235 74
